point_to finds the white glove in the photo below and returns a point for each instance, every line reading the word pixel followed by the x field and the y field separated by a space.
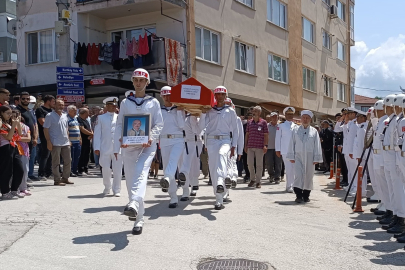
pixel 400 141
pixel 381 137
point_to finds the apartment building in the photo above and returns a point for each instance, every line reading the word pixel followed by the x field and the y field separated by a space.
pixel 8 44
pixel 269 52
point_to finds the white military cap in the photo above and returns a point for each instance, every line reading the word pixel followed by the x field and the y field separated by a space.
pixel 379 105
pixel 111 100
pixel 289 109
pixel 33 99
pixel 140 73
pixel 273 114
pixel 389 100
pixel 166 90
pixel 398 100
pixel 129 92
pixel 307 112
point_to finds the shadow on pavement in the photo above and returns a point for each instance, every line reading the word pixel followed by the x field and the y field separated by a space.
pixel 275 192
pixel 119 240
pixel 90 196
pixel 103 209
pixel 396 259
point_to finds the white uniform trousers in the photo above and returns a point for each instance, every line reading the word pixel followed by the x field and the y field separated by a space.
pixel 380 181
pixel 373 180
pixel 391 174
pixel 137 163
pixel 190 166
pixel 232 167
pixel 364 179
pixel 351 164
pixel 218 152
pixel 105 162
pixel 289 172
pixel 399 186
pixel 170 157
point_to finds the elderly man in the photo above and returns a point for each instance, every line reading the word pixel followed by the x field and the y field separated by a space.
pixel 57 140
pixel 273 162
pixel 256 142
pixel 283 137
pixel 75 138
pixel 304 151
pixel 136 129
pixel 87 134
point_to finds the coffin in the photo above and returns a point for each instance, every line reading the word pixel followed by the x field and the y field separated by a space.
pixel 192 95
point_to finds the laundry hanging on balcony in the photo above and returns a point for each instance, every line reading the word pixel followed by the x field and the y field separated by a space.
pixel 173 62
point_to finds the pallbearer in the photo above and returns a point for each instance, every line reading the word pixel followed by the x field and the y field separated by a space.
pixel 304 151
pixel 190 165
pixel 171 144
pixel 221 140
pixel 137 159
pixel 103 147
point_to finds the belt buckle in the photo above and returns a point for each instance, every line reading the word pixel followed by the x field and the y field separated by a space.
pixel 169 136
pixel 402 154
pixel 217 137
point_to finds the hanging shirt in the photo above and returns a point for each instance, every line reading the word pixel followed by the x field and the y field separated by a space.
pixel 88 55
pixel 75 48
pixel 123 49
pixel 108 51
pixel 143 45
pixel 147 59
pixel 101 52
pixel 135 48
pixel 305 149
pixel 129 47
pixel 115 51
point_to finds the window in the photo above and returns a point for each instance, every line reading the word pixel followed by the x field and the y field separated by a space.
pixel 43 46
pixel 341 92
pixel 341 51
pixel 326 2
pixel 365 108
pixel 246 2
pixel 207 44
pixel 327 86
pixel 308 79
pixel 132 33
pixel 307 30
pixel 244 57
pixel 326 40
pixel 276 13
pixel 278 69
pixel 352 22
pixel 341 10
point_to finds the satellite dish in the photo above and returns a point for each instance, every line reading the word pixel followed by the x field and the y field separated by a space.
pixel 12 27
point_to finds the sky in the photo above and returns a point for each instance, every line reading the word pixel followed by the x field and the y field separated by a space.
pixel 379 53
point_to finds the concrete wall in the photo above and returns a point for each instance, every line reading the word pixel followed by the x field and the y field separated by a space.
pixel 231 19
pixel 8 6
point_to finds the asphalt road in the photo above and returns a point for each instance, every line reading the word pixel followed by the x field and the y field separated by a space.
pixel 75 227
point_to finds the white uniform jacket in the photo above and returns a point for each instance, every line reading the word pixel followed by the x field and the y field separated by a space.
pixel 358 146
pixel 390 136
pixel 192 129
pixel 220 122
pixel 283 136
pixel 147 105
pixel 104 133
pixel 349 134
pixel 173 125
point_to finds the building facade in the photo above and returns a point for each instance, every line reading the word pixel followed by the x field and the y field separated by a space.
pixel 8 43
pixel 269 52
pixel 364 103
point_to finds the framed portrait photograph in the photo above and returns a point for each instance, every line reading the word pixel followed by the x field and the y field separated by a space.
pixel 136 129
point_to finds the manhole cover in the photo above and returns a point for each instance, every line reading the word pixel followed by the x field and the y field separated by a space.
pixel 232 264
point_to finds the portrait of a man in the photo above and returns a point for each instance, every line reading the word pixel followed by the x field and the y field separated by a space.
pixel 136 129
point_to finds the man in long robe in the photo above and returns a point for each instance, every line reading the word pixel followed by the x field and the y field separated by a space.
pixel 304 151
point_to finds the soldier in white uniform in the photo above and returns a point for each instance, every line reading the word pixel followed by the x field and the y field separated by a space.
pixel 378 162
pixel 103 147
pixel 304 152
pixel 400 227
pixel 349 127
pixel 221 140
pixel 358 149
pixel 137 159
pixel 283 137
pixel 232 167
pixel 171 144
pixel 190 165
pixel 389 139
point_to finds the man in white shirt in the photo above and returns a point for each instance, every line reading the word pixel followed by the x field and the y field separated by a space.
pixel 103 147
pixel 283 137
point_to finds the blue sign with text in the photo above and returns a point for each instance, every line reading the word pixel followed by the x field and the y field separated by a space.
pixel 70 92
pixel 70 85
pixel 70 70
pixel 70 78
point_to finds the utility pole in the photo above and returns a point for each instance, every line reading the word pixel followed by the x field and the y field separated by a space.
pixel 64 39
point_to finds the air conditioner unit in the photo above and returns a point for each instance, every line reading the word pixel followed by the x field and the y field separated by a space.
pixel 333 11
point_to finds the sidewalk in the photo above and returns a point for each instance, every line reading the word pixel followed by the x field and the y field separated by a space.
pixel 75 227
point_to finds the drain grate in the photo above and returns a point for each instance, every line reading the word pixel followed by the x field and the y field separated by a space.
pixel 232 264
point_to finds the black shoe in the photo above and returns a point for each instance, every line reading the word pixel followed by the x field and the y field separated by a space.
pixel 401 239
pixel 193 194
pixel 239 175
pixel 137 230
pixel 195 188
pixel 373 209
pixel 210 182
pixel 33 178
pixel 184 199
pixel 234 184
pixel 344 184
pixel 306 200
pixel 399 227
pixel 246 178
pixel 298 200
pixel 79 174
pixel 130 212
pixel 399 235
pixel 228 182
pixel 393 222
pixel 182 179
pixel 218 206
pixel 379 212
pixel 91 167
pixel 220 189
pixel 372 201
pixel 164 183
pixel 173 205
pixel 73 175
pixel 386 217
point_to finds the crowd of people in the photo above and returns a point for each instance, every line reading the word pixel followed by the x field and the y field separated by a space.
pixel 64 139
